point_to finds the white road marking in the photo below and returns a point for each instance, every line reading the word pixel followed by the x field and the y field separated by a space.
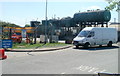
pixel 99 71
pixel 63 73
pixel 90 69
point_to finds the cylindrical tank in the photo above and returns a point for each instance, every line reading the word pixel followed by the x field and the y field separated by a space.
pixel 34 23
pixel 93 16
pixel 65 21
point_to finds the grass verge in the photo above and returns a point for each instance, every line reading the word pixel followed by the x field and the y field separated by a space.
pixel 38 45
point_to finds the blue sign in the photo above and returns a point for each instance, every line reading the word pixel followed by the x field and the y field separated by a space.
pixel 6 43
pixel 23 33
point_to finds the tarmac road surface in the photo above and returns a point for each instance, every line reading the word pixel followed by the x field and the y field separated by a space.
pixel 65 61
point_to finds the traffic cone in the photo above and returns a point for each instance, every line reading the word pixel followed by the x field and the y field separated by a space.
pixel 2 54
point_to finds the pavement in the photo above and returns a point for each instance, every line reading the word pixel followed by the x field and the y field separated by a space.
pixel 43 49
pixel 39 49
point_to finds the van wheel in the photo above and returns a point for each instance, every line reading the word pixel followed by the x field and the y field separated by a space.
pixel 109 44
pixel 77 47
pixel 86 46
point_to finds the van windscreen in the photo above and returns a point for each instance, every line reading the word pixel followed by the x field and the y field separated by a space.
pixel 83 34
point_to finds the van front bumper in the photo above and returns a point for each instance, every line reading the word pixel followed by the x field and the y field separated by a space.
pixel 77 43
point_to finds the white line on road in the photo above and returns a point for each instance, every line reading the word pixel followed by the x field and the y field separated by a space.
pixel 63 73
pixel 90 69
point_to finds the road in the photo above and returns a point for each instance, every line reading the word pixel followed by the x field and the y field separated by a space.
pixel 66 61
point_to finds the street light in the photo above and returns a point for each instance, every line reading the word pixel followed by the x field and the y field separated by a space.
pixel 46 23
pixel 51 34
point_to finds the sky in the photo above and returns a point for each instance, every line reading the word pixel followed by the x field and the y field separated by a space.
pixel 21 12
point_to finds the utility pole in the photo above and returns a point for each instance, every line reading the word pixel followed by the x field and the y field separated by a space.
pixel 35 31
pixel 0 36
pixel 1 32
pixel 10 33
pixel 46 23
pixel 51 34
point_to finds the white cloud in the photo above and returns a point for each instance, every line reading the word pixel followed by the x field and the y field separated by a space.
pixel 52 0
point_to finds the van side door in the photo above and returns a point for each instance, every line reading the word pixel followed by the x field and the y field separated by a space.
pixel 98 37
pixel 90 37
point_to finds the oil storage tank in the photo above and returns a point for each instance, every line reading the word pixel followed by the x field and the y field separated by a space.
pixel 67 22
pixel 93 16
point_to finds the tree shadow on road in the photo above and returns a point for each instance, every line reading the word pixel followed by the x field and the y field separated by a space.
pixel 95 48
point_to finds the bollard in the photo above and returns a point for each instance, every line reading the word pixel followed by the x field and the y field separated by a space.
pixel 2 54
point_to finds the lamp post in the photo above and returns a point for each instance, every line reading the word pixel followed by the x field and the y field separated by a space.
pixel 51 34
pixel 46 23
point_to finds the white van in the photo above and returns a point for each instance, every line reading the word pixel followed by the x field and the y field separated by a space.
pixel 96 36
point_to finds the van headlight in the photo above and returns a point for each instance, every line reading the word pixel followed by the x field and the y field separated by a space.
pixel 81 41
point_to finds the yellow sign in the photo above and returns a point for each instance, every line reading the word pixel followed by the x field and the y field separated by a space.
pixel 19 29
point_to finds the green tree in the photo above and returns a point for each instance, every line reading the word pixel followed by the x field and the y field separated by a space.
pixel 113 4
pixel 27 25
pixel 7 24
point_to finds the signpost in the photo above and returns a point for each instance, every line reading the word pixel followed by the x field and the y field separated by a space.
pixel 24 33
pixel 0 47
pixel 0 32
pixel 6 43
pixel 0 37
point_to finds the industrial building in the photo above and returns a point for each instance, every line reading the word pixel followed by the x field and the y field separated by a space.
pixel 67 28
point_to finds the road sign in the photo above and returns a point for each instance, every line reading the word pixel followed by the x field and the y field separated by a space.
pixel 6 43
pixel 23 33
